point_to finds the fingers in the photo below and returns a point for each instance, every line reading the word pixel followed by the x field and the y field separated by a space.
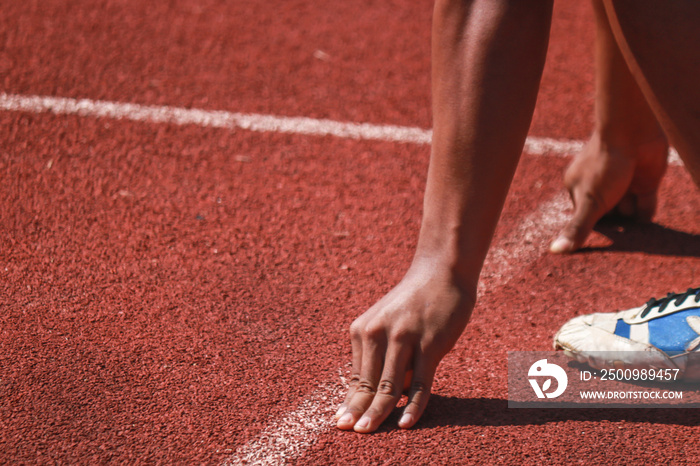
pixel 365 380
pixel 404 336
pixel 373 397
pixel 380 376
pixel 587 211
pixel 610 179
pixel 422 382
pixel 356 341
pixel 389 389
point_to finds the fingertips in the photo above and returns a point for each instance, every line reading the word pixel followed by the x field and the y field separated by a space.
pixel 355 412
pixel 341 409
pixel 389 388
pixel 388 394
pixel 407 421
pixel 417 402
pixel 569 239
pixel 364 389
pixel 587 211
pixel 561 245
pixel 354 406
pixel 344 419
pixel 418 395
pixel 348 397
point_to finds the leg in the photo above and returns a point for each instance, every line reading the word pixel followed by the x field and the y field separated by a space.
pixel 487 61
pixel 660 42
pixel 621 167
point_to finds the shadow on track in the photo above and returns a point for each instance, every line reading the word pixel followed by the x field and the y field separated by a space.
pixel 451 411
pixel 646 237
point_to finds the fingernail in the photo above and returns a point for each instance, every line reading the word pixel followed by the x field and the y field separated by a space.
pixel 340 411
pixel 406 420
pixel 345 419
pixel 363 423
pixel 561 245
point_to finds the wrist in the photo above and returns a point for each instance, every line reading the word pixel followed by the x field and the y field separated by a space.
pixel 441 254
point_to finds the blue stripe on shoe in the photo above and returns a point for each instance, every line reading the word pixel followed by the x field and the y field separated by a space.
pixel 622 329
pixel 672 333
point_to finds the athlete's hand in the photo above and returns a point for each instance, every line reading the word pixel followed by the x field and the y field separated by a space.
pixel 398 343
pixel 617 182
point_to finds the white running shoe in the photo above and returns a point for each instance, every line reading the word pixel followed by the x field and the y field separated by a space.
pixel 662 334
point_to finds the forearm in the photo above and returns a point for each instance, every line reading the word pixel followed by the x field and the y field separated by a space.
pixel 487 60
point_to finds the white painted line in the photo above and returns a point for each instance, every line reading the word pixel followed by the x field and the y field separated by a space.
pixel 528 241
pixel 216 119
pixel 541 146
pixel 247 121
pixel 256 122
pixel 674 158
pixel 289 438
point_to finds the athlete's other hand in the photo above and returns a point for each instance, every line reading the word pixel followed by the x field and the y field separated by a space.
pixel 615 181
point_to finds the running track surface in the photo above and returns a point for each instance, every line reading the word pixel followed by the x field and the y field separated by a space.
pixel 182 293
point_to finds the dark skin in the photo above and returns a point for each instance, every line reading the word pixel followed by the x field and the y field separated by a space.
pixel 487 61
pixel 620 168
pixel 478 49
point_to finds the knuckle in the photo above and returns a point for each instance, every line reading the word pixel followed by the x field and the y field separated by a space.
pixel 389 388
pixel 414 407
pixel 373 332
pixel 432 347
pixel 367 331
pixel 356 329
pixel 403 335
pixel 366 387
pixel 419 397
pixel 354 380
pixel 419 387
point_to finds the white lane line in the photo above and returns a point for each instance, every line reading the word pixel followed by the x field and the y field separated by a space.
pixel 525 243
pixel 287 440
pixel 247 121
pixel 216 119
pixel 256 122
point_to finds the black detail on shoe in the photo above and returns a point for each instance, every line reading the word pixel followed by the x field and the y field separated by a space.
pixel 677 299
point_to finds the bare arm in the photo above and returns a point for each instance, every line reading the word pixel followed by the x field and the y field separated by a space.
pixel 487 60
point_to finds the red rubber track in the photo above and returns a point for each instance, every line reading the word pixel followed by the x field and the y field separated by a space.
pixel 167 292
